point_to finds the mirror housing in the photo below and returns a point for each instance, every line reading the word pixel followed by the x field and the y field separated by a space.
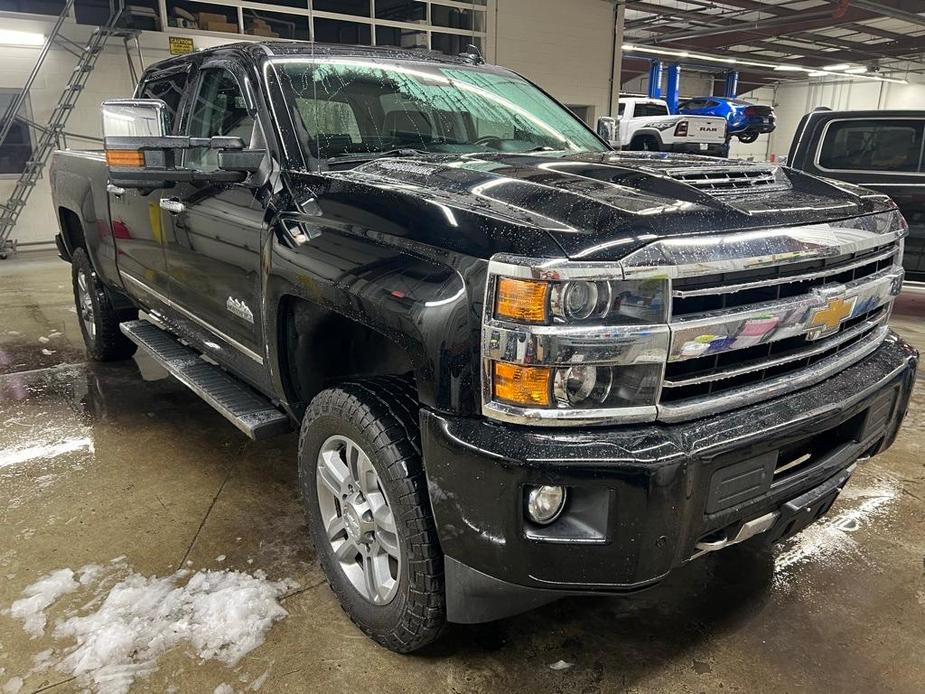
pixel 141 154
pixel 608 129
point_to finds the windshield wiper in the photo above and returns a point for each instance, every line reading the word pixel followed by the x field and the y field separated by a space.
pixel 369 156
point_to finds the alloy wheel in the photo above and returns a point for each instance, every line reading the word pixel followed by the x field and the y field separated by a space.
pixel 85 303
pixel 358 519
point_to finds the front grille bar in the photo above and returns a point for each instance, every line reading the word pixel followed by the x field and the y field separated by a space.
pixel 772 281
pixel 682 410
pixel 728 331
pixel 753 365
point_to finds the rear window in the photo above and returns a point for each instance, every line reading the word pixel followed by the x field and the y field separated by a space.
pixel 872 145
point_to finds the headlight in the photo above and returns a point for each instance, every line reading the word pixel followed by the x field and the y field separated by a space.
pixel 578 301
pixel 573 344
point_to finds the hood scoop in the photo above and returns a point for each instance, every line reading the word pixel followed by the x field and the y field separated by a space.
pixel 722 180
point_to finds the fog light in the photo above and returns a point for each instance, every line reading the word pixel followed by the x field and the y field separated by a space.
pixel 544 504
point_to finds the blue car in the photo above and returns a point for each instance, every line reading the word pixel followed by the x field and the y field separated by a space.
pixel 743 120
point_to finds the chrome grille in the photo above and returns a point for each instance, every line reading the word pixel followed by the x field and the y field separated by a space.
pixel 756 316
pixel 731 179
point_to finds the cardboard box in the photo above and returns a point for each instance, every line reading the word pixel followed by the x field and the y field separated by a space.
pixel 205 17
pixel 219 26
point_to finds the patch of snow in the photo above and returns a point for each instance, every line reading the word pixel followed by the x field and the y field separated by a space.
pixel 44 340
pixel 48 352
pixel 119 636
pixel 13 685
pixel 220 558
pixel 37 597
pixel 224 688
pixel 829 539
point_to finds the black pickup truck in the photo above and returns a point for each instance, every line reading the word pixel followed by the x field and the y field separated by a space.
pixel 880 150
pixel 524 365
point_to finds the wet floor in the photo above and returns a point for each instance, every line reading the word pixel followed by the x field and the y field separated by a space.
pixel 102 462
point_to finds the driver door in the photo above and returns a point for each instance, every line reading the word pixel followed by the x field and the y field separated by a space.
pixel 216 229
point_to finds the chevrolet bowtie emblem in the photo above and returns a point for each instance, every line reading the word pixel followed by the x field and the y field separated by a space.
pixel 826 320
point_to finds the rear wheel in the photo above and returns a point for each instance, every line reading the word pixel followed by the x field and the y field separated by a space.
pixel 99 321
pixel 748 137
pixel 369 515
pixel 645 143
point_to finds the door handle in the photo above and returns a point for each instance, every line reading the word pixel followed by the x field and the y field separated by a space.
pixel 172 205
pixel 115 190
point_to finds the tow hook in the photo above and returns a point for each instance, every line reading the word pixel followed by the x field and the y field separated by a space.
pixel 749 529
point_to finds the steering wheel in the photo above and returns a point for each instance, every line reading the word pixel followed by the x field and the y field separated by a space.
pixel 487 140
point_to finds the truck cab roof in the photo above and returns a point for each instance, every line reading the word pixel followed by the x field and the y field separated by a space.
pixel 262 49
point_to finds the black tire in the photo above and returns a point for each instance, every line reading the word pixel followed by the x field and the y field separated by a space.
pixel 99 327
pixel 748 137
pixel 645 143
pixel 380 414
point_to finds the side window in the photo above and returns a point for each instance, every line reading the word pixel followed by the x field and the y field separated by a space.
pixel 220 109
pixel 648 110
pixel 872 145
pixel 168 89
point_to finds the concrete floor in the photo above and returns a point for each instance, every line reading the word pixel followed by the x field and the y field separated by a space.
pixel 161 479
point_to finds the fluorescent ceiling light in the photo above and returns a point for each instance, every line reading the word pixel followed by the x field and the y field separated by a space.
pixel 8 37
pixel 843 69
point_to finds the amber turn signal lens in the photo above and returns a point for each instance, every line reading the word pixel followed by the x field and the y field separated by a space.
pixel 523 300
pixel 125 157
pixel 521 385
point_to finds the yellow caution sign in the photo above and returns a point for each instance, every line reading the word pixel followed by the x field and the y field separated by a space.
pixel 181 45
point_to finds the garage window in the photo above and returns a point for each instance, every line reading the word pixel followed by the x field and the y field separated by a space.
pixel 872 145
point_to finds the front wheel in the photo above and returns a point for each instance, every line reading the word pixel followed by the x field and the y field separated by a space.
pixel 99 321
pixel 368 511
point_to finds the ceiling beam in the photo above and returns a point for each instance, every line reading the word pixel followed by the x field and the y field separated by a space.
pixel 780 11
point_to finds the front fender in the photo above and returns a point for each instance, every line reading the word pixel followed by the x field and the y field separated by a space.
pixel 427 301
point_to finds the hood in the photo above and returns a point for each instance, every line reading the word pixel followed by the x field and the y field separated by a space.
pixel 602 206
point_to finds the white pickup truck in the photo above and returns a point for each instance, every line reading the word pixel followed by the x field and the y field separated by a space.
pixel 647 125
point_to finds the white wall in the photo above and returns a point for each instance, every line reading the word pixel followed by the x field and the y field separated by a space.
pixel 111 79
pixel 564 46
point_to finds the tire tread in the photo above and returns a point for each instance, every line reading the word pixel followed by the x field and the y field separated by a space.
pixel 385 409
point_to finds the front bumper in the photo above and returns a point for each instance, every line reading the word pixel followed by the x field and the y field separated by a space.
pixel 760 125
pixel 644 499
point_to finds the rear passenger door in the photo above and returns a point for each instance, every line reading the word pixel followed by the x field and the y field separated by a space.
pixel 138 223
pixel 886 155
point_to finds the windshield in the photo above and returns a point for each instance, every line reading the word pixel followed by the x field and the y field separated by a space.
pixel 351 107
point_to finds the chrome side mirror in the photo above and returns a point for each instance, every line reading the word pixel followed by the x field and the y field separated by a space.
pixel 141 154
pixel 608 129
pixel 134 118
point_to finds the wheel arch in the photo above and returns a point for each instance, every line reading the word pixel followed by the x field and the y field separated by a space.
pixel 317 347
